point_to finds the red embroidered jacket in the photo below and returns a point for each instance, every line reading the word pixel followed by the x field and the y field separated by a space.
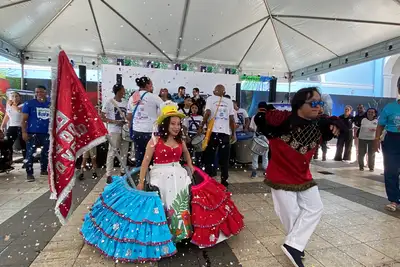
pixel 292 141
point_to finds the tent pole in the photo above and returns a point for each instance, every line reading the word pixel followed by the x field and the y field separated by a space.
pixel 182 30
pixel 48 24
pixel 225 38
pixel 276 34
pixel 306 36
pixel 14 3
pixel 97 27
pixel 22 61
pixel 338 19
pixel 290 86
pixel 252 43
pixel 136 29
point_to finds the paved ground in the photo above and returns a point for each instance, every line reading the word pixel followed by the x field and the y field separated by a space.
pixel 355 229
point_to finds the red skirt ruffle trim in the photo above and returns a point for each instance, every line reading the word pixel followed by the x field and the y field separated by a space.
pixel 213 212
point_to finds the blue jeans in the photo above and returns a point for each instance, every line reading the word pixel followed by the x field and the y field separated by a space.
pixel 391 162
pixel 140 140
pixel 35 141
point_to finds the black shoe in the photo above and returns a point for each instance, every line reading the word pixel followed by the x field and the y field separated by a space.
pixel 323 158
pixel 109 180
pixel 44 173
pixel 293 255
pixel 30 178
pixel 225 183
pixel 361 168
pixel 94 175
pixel 302 255
pixel 81 176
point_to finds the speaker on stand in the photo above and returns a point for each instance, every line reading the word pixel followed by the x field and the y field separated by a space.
pixel 272 90
pixel 119 78
pixel 237 96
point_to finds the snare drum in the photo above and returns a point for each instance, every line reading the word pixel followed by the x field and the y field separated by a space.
pixel 126 133
pixel 197 142
pixel 259 145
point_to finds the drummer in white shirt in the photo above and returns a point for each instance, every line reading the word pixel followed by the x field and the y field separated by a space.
pixel 223 132
pixel 114 114
pixel 241 117
pixel 253 127
pixel 143 110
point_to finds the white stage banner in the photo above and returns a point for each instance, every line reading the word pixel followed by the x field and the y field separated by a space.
pixel 170 79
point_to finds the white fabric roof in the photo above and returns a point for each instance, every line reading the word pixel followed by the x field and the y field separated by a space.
pixel 283 36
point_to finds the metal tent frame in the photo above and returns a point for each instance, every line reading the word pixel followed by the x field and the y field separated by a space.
pixel 338 61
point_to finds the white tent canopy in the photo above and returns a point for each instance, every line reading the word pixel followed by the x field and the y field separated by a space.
pixel 259 36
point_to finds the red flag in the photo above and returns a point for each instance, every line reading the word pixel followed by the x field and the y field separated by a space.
pixel 75 127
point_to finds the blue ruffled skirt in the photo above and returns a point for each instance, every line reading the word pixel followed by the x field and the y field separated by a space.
pixel 128 225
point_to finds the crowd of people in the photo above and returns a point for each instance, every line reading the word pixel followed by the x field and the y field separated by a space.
pixel 159 131
pixel 360 131
pixel 28 123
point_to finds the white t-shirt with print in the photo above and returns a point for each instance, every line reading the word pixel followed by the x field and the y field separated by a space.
pixel 14 115
pixel 368 129
pixel 221 124
pixel 192 123
pixel 113 113
pixel 241 116
pixel 147 112
pixel 184 111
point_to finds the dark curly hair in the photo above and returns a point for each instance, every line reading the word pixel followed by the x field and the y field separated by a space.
pixel 142 81
pixel 163 131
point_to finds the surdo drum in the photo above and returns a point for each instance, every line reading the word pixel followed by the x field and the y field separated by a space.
pixel 243 147
pixel 197 142
pixel 259 145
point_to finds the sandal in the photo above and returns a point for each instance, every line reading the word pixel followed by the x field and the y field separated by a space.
pixel 391 207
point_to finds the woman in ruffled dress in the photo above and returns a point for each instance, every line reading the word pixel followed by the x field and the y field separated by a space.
pixel 167 174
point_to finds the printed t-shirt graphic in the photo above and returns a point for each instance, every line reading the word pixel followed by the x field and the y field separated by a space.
pixel 241 116
pixel 146 112
pixel 225 110
pixel 38 116
pixel 192 123
pixel 112 113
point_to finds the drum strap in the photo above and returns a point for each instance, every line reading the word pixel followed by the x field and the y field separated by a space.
pixel 195 123
pixel 119 110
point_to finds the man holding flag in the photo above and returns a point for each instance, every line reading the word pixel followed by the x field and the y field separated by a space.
pixel 75 127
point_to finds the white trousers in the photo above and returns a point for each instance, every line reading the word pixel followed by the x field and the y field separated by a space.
pixel 300 213
pixel 122 146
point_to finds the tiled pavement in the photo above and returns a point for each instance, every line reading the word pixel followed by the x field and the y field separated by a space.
pixel 354 231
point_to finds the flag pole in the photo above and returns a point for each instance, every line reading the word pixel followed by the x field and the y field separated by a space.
pixel 123 165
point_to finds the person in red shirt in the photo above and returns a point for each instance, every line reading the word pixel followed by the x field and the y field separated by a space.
pixel 293 138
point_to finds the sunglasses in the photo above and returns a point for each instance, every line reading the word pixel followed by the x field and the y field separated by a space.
pixel 315 104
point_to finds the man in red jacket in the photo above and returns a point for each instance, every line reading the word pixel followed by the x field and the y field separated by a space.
pixel 293 138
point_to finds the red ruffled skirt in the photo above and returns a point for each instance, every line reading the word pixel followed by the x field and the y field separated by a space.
pixel 214 215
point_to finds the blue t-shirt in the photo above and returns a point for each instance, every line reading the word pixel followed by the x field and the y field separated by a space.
pixel 39 114
pixel 390 117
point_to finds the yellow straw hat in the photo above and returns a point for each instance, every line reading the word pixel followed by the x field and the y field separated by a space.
pixel 169 109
